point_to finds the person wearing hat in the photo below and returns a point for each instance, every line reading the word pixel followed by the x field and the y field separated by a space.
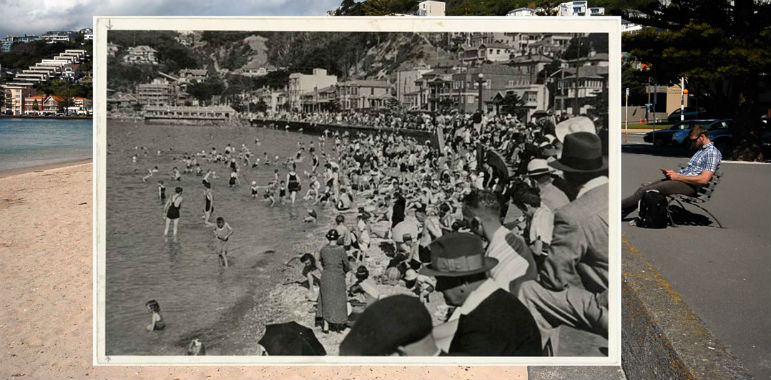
pixel 488 320
pixel 539 171
pixel 332 302
pixel 573 283
pixel 482 210
pixel 395 325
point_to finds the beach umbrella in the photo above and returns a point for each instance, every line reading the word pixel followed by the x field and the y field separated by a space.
pixel 291 338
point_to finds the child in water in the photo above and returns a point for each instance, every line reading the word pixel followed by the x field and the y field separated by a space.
pixel 222 233
pixel 254 189
pixel 157 320
pixel 161 191
pixel 233 178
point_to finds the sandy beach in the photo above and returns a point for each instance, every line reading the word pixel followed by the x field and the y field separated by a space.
pixel 47 312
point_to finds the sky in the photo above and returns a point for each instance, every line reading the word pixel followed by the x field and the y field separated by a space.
pixel 37 17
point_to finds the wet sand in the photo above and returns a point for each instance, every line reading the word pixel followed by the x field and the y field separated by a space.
pixel 46 312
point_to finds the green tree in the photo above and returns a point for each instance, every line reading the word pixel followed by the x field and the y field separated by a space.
pixel 204 91
pixel 721 47
pixel 512 104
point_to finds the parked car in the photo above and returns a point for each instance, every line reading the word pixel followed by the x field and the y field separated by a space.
pixel 663 137
pixel 680 138
pixel 690 113
pixel 720 132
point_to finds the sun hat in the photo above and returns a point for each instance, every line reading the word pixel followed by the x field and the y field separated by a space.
pixel 387 324
pixel 581 153
pixel 410 275
pixel 573 125
pixel 457 255
pixel 538 166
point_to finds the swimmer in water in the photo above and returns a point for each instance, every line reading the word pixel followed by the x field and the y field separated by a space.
pixel 171 211
pixel 156 323
pixel 222 233
pixel 175 173
pixel 208 198
pixel 269 194
pixel 150 173
pixel 254 189
pixel 161 191
pixel 234 178
pixel 312 216
pixel 282 192
pixel 293 184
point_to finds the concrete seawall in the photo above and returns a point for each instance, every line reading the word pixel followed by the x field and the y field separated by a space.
pixel 662 338
pixel 314 128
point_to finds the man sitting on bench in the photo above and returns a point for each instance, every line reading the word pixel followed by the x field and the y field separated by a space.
pixel 688 180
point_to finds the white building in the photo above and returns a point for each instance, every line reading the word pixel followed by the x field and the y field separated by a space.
pixel 431 8
pixel 300 84
pixel 573 8
pixel 524 12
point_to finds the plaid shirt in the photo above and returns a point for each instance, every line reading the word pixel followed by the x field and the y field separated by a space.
pixel 707 158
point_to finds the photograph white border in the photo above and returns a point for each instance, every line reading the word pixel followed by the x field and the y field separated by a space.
pixel 609 25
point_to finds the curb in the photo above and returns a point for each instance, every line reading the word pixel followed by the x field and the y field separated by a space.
pixel 662 338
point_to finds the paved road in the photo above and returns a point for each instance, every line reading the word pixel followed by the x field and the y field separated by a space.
pixel 723 274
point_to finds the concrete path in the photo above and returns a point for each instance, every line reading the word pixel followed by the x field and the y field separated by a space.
pixel 724 275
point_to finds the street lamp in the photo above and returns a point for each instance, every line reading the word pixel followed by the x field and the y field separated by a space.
pixel 480 81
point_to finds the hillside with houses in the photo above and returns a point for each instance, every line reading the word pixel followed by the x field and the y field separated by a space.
pixel 355 72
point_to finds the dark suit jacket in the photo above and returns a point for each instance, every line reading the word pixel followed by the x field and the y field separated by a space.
pixel 499 326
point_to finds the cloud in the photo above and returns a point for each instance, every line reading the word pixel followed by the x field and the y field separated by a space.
pixel 37 17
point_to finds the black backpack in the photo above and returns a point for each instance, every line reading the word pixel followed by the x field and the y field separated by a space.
pixel 653 210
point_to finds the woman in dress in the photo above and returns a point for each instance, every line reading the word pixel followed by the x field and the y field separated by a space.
pixel 333 293
pixel 171 210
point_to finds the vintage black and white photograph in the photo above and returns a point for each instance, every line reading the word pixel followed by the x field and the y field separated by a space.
pixel 358 193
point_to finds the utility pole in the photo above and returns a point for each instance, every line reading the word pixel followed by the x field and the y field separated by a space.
pixel 626 133
pixel 576 111
pixel 682 98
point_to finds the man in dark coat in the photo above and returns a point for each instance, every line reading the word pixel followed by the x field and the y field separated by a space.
pixel 488 320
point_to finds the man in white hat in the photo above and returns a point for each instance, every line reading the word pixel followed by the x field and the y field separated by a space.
pixel 540 172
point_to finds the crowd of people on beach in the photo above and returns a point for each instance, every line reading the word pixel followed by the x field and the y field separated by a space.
pixel 507 219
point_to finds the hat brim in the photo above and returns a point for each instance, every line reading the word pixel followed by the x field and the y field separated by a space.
pixel 560 166
pixel 489 263
pixel 540 172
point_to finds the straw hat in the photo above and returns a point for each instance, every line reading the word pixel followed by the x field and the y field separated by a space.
pixel 538 166
pixel 573 125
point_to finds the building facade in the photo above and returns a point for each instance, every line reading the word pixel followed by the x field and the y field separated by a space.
pixel 358 95
pixel 15 98
pixel 158 93
pixel 300 84
pixel 431 8
pixel 141 54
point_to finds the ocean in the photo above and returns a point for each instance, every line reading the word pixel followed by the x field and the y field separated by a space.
pixel 26 143
pixel 198 298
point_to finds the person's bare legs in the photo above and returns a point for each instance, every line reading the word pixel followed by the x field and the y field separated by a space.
pixel 176 223
pixel 166 230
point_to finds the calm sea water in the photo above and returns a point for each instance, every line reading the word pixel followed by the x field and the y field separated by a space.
pixel 198 298
pixel 26 143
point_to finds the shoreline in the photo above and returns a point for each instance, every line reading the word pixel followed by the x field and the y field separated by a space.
pixel 44 167
pixel 47 117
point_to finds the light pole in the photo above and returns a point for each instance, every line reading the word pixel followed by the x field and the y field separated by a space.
pixel 480 81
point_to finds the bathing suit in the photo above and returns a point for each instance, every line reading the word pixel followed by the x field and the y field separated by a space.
pixel 209 206
pixel 173 211
pixel 254 191
pixel 162 189
pixel 293 185
pixel 232 181
pixel 282 193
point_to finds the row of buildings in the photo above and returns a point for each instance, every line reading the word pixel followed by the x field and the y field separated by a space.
pixel 50 37
pixel 21 87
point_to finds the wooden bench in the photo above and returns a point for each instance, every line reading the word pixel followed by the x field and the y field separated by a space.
pixel 702 196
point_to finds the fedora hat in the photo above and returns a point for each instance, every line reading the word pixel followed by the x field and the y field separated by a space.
pixel 581 153
pixel 573 125
pixel 538 166
pixel 457 255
